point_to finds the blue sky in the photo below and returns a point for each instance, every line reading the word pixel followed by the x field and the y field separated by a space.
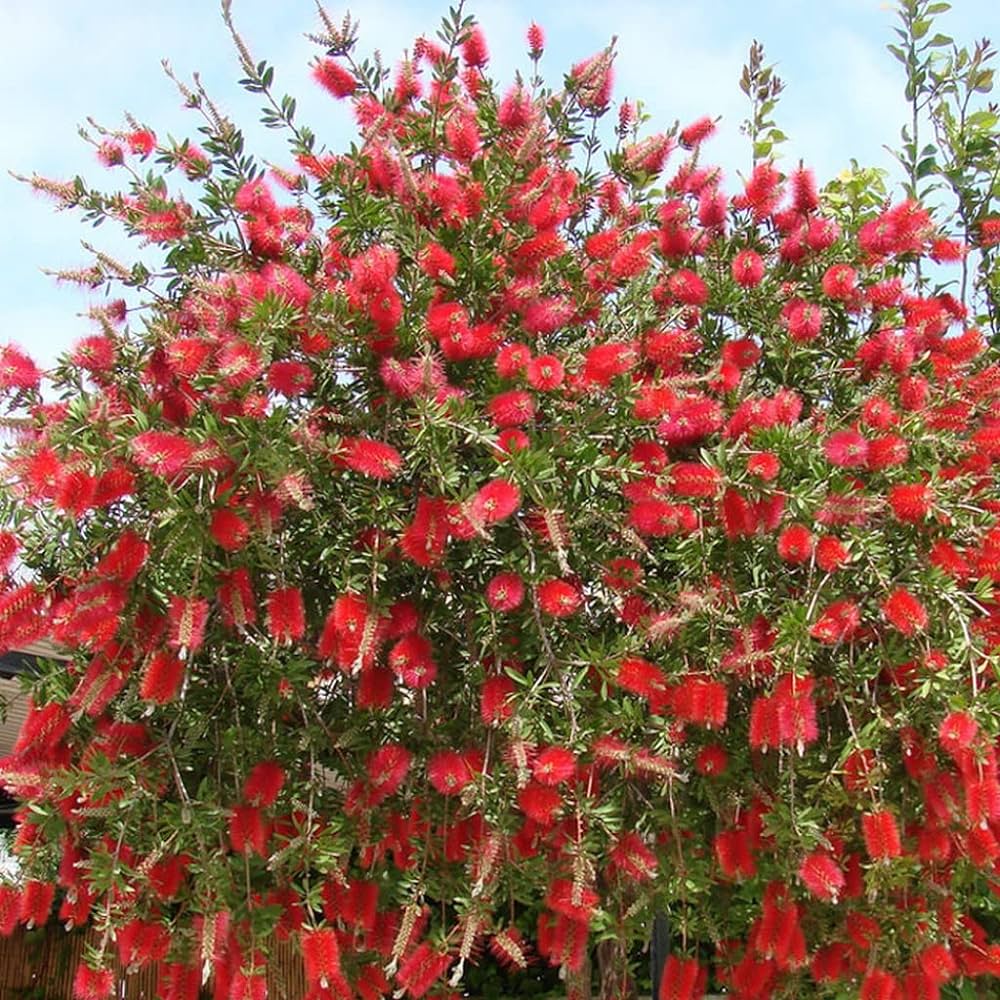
pixel 64 60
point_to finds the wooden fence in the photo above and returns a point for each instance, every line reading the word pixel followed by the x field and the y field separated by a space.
pixel 40 965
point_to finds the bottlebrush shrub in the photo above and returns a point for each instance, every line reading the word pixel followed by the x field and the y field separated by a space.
pixel 452 526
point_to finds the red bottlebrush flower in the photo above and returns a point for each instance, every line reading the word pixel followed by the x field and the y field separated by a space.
pixel 93 984
pixel 839 622
pixel 512 359
pixel 879 985
pixel 9 547
pixel 949 559
pixel 700 700
pixel 290 378
pixel 605 362
pixel 539 803
pixel 422 969
pixel 10 909
pixel 495 700
pixel 748 268
pixel 426 537
pixel 682 979
pixel 494 502
pixel 474 50
pixel 879 414
pixel 764 465
pixel 712 207
pixel 609 751
pixel 652 457
pixel 805 197
pixel 375 688
pixel 351 634
pixel 162 453
pixel 692 479
pixel 803 320
pixel 17 370
pixel 448 772
pixel 112 485
pixel 989 232
pixel 734 853
pixel 43 727
pixel 553 766
pixel 511 409
pixel 572 900
pixel 536 40
pixel 795 544
pixel 387 768
pixel 247 986
pixel 95 354
pixel 186 356
pixel 321 955
pixel 742 353
pixel 236 599
pixel 831 963
pixel 739 515
pixel 633 858
pixel 904 612
pixel 847 449
pixel 516 109
pixel 545 372
pixel 263 784
pixel 911 502
pixel 937 963
pixel 509 949
pixel 831 554
pixel 141 142
pixel 591 81
pixel 127 557
pixel 462 137
pixel 162 678
pixel 75 493
pixel 178 981
pixel 659 519
pixel 958 732
pixel 697 132
pixel 982 847
pixel 229 530
pixel 435 261
pixel 642 678
pixel 187 617
pixel 35 903
pixel 167 875
pixel 371 458
pixel 858 768
pixel 411 660
pixel 762 191
pixel 711 761
pixel 796 710
pixel 286 615
pixel 249 830
pixel 840 282
pixel 881 835
pixel 559 598
pixel 287 284
pixel 505 592
pixel 334 78
pixel 822 876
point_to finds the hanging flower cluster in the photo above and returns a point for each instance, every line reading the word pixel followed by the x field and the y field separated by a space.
pixel 454 528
